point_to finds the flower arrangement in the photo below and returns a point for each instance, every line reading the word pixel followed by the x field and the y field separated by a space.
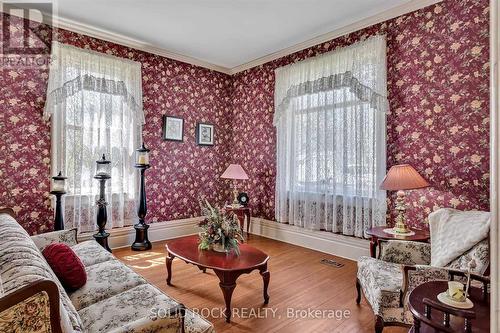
pixel 220 231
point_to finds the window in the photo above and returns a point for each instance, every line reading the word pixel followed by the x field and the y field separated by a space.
pixel 322 122
pixel 330 120
pixel 89 134
pixel 95 103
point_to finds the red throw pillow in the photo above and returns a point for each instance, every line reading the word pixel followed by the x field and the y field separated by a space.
pixel 66 265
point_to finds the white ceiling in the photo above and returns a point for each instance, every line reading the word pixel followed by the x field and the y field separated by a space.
pixel 227 33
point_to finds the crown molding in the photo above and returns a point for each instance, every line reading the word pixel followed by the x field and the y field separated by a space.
pixel 88 30
pixel 361 24
pixel 109 36
pixel 91 31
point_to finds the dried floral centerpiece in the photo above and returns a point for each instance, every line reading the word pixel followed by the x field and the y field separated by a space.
pixel 220 231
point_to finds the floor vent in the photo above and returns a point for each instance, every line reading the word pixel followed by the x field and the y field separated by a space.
pixel 331 262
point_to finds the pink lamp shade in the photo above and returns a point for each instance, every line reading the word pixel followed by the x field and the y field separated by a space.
pixel 234 171
pixel 403 177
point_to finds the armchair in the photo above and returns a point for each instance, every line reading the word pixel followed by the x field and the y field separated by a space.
pixel 401 266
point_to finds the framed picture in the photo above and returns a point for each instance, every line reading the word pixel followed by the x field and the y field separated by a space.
pixel 173 128
pixel 205 134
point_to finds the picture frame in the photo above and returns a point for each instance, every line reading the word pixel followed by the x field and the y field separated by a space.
pixel 173 128
pixel 205 134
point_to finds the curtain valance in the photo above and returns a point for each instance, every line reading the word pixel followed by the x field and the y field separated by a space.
pixel 73 70
pixel 358 67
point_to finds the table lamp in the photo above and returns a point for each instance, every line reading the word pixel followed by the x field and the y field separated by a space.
pixel 234 172
pixel 400 178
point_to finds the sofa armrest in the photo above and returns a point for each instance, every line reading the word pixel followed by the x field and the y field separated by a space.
pixel 68 237
pixel 9 211
pixel 163 321
pixel 405 252
pixel 34 307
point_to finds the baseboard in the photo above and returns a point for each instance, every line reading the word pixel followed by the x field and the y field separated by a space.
pixel 124 237
pixel 327 242
pixel 323 241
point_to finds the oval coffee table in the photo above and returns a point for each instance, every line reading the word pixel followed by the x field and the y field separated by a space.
pixel 228 267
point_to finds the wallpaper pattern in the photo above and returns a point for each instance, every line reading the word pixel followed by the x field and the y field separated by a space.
pixel 438 82
pixel 439 120
pixel 180 172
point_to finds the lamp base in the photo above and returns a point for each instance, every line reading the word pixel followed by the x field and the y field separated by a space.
pixel 141 242
pixel 401 228
pixel 235 203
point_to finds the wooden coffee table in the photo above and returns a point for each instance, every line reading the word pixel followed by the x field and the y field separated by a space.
pixel 228 267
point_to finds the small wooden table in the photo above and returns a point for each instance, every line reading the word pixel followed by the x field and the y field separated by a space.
pixel 430 290
pixel 377 233
pixel 228 267
pixel 242 213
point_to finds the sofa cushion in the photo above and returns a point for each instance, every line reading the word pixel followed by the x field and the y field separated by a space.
pixel 381 281
pixel 66 265
pixel 136 310
pixel 67 237
pixel 104 280
pixel 91 253
pixel 22 263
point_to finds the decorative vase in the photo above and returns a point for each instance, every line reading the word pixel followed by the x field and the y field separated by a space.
pixel 218 248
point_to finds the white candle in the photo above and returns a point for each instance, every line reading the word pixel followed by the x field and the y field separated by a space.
pixel 143 159
pixel 58 186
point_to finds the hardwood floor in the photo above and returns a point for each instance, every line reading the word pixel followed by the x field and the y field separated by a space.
pixel 299 281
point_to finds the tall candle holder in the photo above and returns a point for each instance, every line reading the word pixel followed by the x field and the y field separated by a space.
pixel 142 242
pixel 102 174
pixel 58 190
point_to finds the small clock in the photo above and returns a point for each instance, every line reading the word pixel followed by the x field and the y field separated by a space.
pixel 243 198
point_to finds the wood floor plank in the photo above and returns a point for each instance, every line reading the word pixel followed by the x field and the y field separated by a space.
pixel 299 283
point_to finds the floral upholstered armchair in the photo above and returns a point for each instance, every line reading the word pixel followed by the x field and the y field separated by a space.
pixel 401 266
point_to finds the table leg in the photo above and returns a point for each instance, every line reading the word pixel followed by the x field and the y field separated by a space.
pixel 227 284
pixel 227 291
pixel 168 262
pixel 265 277
pixel 249 217
pixel 373 247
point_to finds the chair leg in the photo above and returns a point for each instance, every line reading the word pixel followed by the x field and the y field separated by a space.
pixel 358 289
pixel 379 324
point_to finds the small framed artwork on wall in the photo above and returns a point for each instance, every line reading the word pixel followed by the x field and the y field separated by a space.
pixel 173 128
pixel 205 134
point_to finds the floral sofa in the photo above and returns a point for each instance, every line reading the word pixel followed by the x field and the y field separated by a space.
pixel 114 299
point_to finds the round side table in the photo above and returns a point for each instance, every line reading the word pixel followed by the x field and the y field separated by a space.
pixel 377 233
pixel 428 317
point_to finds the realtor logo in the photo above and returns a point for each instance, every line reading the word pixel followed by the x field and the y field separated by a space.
pixel 26 34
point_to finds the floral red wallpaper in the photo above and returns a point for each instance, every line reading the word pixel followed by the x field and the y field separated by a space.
pixel 438 84
pixel 439 120
pixel 180 173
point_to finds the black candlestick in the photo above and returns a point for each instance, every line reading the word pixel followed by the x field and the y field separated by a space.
pixel 59 218
pixel 142 242
pixel 102 215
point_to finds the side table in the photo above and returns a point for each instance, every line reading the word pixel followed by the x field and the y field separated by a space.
pixel 377 233
pixel 430 315
pixel 242 213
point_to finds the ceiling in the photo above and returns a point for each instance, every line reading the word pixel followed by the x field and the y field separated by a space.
pixel 225 35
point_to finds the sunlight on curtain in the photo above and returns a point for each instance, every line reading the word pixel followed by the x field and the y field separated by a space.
pixel 95 103
pixel 331 141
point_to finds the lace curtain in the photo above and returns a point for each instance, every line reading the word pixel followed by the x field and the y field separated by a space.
pixel 95 103
pixel 331 139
